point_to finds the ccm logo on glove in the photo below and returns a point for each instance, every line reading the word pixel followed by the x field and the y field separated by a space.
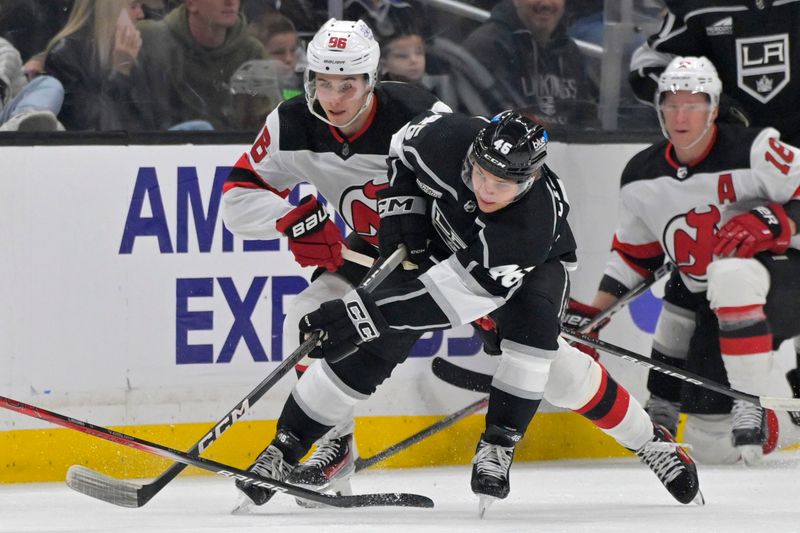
pixel 361 321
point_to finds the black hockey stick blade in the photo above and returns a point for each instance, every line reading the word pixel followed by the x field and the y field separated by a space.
pixel 130 494
pixel 366 462
pixel 780 404
pixel 461 377
pixel 361 500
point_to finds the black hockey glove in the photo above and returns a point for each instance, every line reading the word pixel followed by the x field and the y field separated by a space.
pixel 404 220
pixel 345 325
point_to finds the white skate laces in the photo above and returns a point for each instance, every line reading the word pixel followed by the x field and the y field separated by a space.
pixel 493 460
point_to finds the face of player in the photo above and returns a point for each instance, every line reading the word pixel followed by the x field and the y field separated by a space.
pixel 686 119
pixel 342 97
pixel 135 11
pixel 405 59
pixel 540 16
pixel 492 192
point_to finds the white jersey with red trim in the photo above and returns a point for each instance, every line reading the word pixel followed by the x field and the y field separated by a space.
pixel 295 147
pixel 673 210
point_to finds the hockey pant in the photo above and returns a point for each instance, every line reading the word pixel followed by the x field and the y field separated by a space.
pixel 728 333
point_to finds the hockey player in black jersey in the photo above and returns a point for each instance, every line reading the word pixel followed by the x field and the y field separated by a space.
pixel 755 46
pixel 486 221
pixel 336 137
pixel 722 202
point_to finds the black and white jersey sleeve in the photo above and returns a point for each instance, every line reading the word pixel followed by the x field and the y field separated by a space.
pixel 484 257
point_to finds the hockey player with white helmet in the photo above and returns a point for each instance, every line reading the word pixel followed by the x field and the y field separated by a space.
pixel 336 137
pixel 722 202
pixel 488 222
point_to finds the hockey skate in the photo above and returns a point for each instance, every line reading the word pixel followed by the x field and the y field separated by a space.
pixel 755 431
pixel 672 465
pixel 328 469
pixel 663 412
pixel 275 462
pixel 491 465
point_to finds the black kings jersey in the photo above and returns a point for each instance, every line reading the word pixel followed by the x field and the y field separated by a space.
pixel 755 46
pixel 294 147
pixel 668 209
pixel 484 257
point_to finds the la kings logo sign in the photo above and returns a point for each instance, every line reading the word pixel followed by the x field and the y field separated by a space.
pixel 763 65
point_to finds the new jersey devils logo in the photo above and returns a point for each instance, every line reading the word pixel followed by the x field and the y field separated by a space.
pixel 689 240
pixel 359 208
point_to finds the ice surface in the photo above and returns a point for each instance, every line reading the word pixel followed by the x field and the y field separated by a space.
pixel 569 496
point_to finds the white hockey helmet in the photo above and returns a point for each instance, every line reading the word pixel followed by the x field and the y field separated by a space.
pixel 695 74
pixel 341 47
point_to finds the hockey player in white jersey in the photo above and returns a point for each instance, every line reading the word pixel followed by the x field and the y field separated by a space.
pixel 486 220
pixel 721 202
pixel 336 137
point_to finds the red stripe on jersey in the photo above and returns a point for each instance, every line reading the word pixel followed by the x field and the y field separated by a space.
pixel 746 345
pixel 228 185
pixel 244 163
pixel 648 250
pixel 796 194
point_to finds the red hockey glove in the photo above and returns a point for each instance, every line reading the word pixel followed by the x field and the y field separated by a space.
pixel 763 229
pixel 313 238
pixel 345 325
pixel 576 317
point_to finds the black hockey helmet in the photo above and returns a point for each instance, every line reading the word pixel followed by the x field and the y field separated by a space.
pixel 511 147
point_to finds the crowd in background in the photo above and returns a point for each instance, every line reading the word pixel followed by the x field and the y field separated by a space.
pixel 144 65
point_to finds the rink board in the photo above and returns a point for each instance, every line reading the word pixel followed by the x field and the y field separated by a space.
pixel 126 303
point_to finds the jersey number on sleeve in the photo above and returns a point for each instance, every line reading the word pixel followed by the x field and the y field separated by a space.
pixel 786 156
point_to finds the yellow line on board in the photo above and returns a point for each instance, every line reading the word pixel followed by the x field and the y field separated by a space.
pixel 45 455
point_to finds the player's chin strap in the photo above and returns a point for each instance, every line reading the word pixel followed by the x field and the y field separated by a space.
pixel 709 122
pixel 324 119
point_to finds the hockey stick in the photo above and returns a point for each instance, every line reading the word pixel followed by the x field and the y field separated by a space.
pixel 779 404
pixel 366 462
pixel 130 494
pixel 465 378
pixel 361 500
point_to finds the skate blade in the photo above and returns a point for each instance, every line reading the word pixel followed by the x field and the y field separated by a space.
pixel 484 502
pixel 244 505
pixel 699 499
pixel 339 488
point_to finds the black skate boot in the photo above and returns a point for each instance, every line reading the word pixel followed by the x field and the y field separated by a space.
pixel 749 431
pixel 663 412
pixel 491 465
pixel 328 469
pixel 275 462
pixel 673 466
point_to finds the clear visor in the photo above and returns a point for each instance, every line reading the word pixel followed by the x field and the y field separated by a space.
pixel 482 181
pixel 345 89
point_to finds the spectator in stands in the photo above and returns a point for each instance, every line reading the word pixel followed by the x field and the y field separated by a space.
pixel 385 17
pixel 525 44
pixel 29 25
pixel 282 45
pixel 188 59
pixel 403 59
pixel 94 56
pixel 26 106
